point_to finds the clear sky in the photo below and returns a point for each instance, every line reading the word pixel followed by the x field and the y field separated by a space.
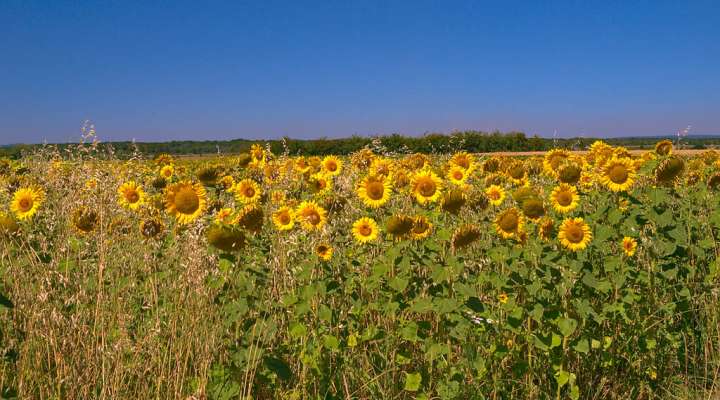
pixel 162 70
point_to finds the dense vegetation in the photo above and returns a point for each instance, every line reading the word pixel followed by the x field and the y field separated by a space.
pixel 372 276
pixel 471 141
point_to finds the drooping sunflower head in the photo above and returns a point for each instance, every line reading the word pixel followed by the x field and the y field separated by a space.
pixel 629 246
pixel 421 227
pixel 399 226
pixel 464 236
pixel 546 228
pixel 618 174
pixel 365 230
pixel 382 167
pixel 663 147
pixel 426 187
pixel 495 194
pixel 453 201
pixel 164 159
pixel 569 173
pixel 574 234
pixel 491 165
pixel 284 218
pixel 523 193
pixel 26 202
pixel 324 251
pixel 8 225
pixel 151 228
pixel 159 183
pixel 186 201
pixel 208 175
pixel 669 170
pixel 400 179
pixel 713 181
pixel 131 195
pixel 516 172
pixel 243 160
pixel 225 238
pixel 509 223
pixel 564 198
pixel 374 190
pixel 416 161
pixel 332 165
pixel 251 218
pixel 533 208
pixel 310 215
pixel 84 220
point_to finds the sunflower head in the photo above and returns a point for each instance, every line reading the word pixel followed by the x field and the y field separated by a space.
pixel 453 201
pixel 457 175
pixel 546 228
pixel 243 160
pixel 509 223
pixel 495 194
pixel 464 236
pixel 629 246
pixel 26 202
pixel 618 174
pixel 247 191
pixel 426 187
pixel 208 175
pixel 713 181
pixel 164 159
pixel 491 165
pixel 564 198
pixel 663 147
pixel 167 171
pixel 311 215
pixel 320 183
pixel 225 238
pixel 523 193
pixel 374 190
pixel 84 220
pixel 533 208
pixel 553 160
pixel 399 226
pixel 463 160
pixel 186 201
pixel 574 234
pixel 8 225
pixel 251 218
pixel 332 165
pixel 284 218
pixel 569 173
pixel 151 228
pixel 516 172
pixel 159 183
pixel 324 251
pixel 365 230
pixel 131 195
pixel 669 170
pixel 421 228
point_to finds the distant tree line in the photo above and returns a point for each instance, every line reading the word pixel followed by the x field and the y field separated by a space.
pixel 472 141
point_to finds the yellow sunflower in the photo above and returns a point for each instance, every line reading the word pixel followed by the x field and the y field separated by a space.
pixel 332 165
pixel 564 198
pixel 227 182
pixel 311 215
pixel 426 187
pixel 421 228
pixel 224 215
pixel 509 223
pixel 324 251
pixel 553 160
pixel 618 174
pixel 374 191
pixel 574 234
pixel 495 194
pixel 185 201
pixel 167 171
pixel 664 147
pixel 247 191
pixel 463 160
pixel 284 218
pixel 629 246
pixel 131 195
pixel 517 173
pixel 365 230
pixel 320 183
pixel 26 202
pixel 457 175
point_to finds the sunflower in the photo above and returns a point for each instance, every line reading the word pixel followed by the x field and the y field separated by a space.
pixel 224 215
pixel 151 228
pixel 491 165
pixel 569 173
pixel 574 234
pixel 320 183
pixel 464 236
pixel 618 174
pixel 713 181
pixel 247 191
pixel 399 226
pixel 670 169
pixel 664 147
pixel 167 171
pixel 457 175
pixel 453 201
pixel 463 160
pixel 426 187
pixel 374 191
pixel 421 228
pixel 324 251
pixel 131 195
pixel 284 218
pixel 208 175
pixel 553 160
pixel 523 193
pixel 629 246
pixel 495 194
pixel 332 165
pixel 509 223
pixel 26 202
pixel 533 208
pixel 382 167
pixel 227 182
pixel 517 173
pixel 225 238
pixel 8 225
pixel 84 220
pixel 365 230
pixel 503 298
pixel 546 228
pixel 251 218
pixel 311 215
pixel 185 201
pixel 564 198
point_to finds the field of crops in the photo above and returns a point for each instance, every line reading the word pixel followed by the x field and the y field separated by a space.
pixel 371 276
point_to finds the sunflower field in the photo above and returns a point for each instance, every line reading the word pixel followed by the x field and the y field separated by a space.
pixel 378 275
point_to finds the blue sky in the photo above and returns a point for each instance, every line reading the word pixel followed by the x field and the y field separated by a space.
pixel 163 70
